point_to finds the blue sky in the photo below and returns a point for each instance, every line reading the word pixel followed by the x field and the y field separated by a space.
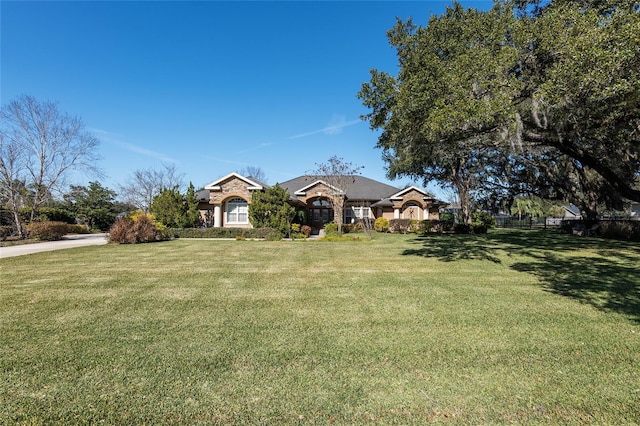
pixel 210 87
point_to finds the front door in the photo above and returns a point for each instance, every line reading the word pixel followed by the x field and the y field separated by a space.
pixel 320 213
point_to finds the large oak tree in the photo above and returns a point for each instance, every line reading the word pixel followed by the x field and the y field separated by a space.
pixel 476 87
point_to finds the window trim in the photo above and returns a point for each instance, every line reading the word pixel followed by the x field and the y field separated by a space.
pixel 240 208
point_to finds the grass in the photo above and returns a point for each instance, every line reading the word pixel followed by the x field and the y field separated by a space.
pixel 509 327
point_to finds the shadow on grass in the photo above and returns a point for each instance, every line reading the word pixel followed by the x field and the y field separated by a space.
pixel 602 273
pixel 449 248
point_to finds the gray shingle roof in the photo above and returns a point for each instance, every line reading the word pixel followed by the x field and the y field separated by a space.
pixel 362 187
pixel 202 195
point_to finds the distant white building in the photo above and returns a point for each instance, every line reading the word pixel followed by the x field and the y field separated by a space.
pixel 571 212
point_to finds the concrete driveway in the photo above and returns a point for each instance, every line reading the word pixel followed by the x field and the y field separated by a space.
pixel 68 241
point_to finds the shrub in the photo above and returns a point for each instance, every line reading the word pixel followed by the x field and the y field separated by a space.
pixel 626 230
pixel 46 214
pixel 447 217
pixel 121 231
pixel 399 225
pixel 438 226
pixel 462 228
pixel 381 224
pixel 479 229
pixel 416 226
pixel 5 231
pixel 331 229
pixel 483 221
pixel 77 229
pixel 47 231
pixel 306 230
pixel 295 228
pixel 142 229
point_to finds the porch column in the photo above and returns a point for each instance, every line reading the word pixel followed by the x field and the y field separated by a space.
pixel 425 213
pixel 217 216
pixel 396 213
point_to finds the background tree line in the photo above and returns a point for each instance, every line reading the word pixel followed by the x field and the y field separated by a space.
pixel 41 146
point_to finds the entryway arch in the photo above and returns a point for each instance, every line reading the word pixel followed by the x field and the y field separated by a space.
pixel 320 212
pixel 412 210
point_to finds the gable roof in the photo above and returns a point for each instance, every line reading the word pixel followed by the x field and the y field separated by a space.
pixel 302 191
pixel 573 210
pixel 398 195
pixel 252 184
pixel 362 188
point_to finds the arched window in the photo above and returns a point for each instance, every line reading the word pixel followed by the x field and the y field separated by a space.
pixel 321 203
pixel 237 211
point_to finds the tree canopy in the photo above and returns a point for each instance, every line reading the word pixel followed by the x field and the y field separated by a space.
pixel 271 209
pixel 93 205
pixel 515 98
pixel 175 210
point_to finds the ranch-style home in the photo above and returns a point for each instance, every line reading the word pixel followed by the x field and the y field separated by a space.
pixel 225 201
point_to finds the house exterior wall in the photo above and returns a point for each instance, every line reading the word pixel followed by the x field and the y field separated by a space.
pixel 214 210
pixel 230 188
pixel 317 191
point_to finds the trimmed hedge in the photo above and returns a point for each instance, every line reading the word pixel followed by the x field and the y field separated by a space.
pixel 625 230
pixel 260 233
pixel 47 231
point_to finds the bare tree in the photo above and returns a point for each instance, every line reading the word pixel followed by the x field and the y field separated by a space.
pixel 254 172
pixel 143 185
pixel 337 174
pixel 39 147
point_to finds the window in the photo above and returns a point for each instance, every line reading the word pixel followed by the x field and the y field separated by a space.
pixel 349 215
pixel 321 203
pixel 237 211
pixel 352 213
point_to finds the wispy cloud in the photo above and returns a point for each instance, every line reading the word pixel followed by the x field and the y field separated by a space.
pixel 116 139
pixel 222 160
pixel 335 127
pixel 255 148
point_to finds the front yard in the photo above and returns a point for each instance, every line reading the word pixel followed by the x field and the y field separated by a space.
pixel 508 327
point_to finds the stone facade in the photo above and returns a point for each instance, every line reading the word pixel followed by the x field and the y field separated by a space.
pixel 228 199
pixel 232 187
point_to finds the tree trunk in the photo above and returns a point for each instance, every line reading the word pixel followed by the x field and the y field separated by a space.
pixel 16 218
pixel 590 206
pixel 338 207
pixel 462 185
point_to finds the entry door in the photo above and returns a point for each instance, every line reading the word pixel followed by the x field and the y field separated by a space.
pixel 320 216
pixel 320 213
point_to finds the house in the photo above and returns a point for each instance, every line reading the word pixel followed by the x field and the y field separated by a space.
pixel 571 212
pixel 225 201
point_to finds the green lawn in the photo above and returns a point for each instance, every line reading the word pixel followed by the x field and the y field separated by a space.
pixel 510 327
